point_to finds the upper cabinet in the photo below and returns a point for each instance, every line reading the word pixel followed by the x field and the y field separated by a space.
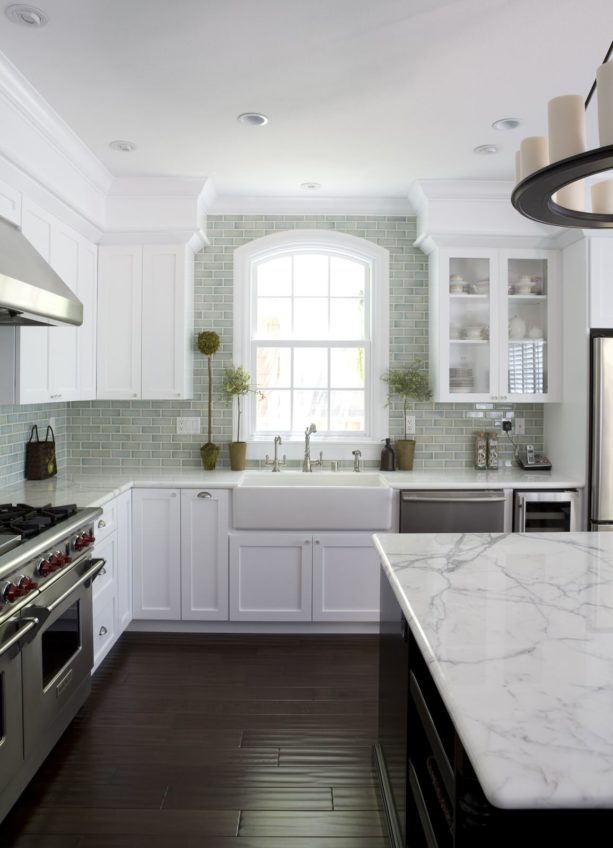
pixel 145 322
pixel 495 329
pixel 54 364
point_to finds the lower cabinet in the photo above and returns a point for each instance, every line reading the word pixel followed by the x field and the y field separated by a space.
pixel 270 577
pixel 298 577
pixel 111 591
pixel 180 554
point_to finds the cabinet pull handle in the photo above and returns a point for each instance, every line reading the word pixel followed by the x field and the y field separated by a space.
pixel 307 541
pixel 102 523
pixel 204 495
pixel 317 541
pixel 103 631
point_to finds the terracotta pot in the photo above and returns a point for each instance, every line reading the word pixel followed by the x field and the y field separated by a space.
pixel 238 452
pixel 405 451
pixel 209 454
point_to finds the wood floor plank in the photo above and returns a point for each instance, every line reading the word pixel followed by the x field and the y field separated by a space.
pixel 227 842
pixel 358 823
pixel 223 796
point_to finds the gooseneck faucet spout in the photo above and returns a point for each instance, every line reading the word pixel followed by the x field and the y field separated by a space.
pixel 306 463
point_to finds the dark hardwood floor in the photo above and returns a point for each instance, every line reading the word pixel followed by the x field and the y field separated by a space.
pixel 215 742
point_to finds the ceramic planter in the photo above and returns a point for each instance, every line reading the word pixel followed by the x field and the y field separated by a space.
pixel 238 453
pixel 209 454
pixel 405 451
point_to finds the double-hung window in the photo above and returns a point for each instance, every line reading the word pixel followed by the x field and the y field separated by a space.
pixel 311 328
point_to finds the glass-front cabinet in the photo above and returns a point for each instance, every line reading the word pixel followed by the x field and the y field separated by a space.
pixel 495 325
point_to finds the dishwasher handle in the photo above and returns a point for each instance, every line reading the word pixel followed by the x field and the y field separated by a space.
pixel 480 497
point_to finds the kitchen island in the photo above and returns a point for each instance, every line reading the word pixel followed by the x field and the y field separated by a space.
pixel 497 687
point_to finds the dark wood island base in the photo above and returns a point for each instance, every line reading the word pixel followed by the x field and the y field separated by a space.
pixel 431 794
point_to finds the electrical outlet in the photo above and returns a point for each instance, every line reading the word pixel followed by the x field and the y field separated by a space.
pixel 520 427
pixel 410 425
pixel 188 425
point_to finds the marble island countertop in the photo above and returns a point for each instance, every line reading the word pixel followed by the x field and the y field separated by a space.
pixel 518 634
pixel 93 487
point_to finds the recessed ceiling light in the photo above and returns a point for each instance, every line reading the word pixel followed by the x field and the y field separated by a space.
pixel 122 146
pixel 486 149
pixel 252 119
pixel 310 186
pixel 506 124
pixel 28 16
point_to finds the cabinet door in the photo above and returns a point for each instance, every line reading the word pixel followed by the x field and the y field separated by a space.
pixel 64 341
pixel 87 292
pixel 104 618
pixel 204 555
pixel 119 322
pixel 464 304
pixel 530 326
pixel 33 342
pixel 123 578
pixel 345 578
pixel 166 337
pixel 156 548
pixel 10 203
pixel 270 577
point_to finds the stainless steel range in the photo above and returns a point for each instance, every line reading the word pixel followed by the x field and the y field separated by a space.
pixel 46 648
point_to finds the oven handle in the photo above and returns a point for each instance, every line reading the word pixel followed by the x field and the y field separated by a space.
pixel 31 623
pixel 89 574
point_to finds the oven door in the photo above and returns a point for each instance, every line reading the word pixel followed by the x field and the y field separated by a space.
pixel 57 662
pixel 12 632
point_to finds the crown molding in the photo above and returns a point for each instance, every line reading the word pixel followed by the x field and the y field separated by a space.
pixel 469 209
pixel 313 204
pixel 38 142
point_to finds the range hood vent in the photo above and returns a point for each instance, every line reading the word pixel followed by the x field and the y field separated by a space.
pixel 31 293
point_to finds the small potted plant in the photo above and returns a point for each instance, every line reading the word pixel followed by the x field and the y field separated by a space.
pixel 409 383
pixel 208 344
pixel 237 383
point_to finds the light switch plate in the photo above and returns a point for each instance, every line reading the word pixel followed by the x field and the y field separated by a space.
pixel 410 425
pixel 188 425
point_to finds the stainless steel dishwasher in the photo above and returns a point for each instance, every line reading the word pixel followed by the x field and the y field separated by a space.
pixel 462 511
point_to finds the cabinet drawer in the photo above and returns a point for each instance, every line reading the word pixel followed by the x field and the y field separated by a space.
pixel 107 522
pixel 104 624
pixel 107 550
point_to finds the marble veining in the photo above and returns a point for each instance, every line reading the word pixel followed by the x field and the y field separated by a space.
pixel 518 632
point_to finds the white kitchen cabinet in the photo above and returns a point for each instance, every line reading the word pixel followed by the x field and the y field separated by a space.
pixel 112 588
pixel 54 364
pixel 346 571
pixel 298 577
pixel 156 554
pixel 270 576
pixel 495 325
pixel 204 554
pixel 145 322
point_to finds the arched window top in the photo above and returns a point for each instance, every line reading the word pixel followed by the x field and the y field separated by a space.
pixel 311 327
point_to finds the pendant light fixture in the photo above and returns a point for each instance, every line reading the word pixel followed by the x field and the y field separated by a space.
pixel 550 170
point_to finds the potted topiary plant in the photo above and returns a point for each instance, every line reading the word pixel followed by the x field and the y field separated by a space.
pixel 410 383
pixel 208 344
pixel 237 383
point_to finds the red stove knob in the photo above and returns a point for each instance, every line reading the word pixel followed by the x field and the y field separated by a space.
pixel 57 560
pixel 12 592
pixel 84 541
pixel 44 568
pixel 26 584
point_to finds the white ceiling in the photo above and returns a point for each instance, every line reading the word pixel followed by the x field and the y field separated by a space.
pixel 363 96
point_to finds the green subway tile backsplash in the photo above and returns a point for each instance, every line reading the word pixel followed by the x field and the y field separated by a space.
pixel 95 433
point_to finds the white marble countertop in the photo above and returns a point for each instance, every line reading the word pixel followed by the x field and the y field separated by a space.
pixel 518 634
pixel 95 487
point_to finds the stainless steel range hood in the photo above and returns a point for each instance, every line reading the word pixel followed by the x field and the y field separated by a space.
pixel 31 293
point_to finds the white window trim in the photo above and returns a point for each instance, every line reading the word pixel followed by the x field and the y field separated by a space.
pixel 377 258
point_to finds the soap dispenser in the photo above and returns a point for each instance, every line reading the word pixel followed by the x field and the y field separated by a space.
pixel 388 457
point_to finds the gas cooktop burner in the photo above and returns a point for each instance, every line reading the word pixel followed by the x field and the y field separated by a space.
pixel 29 521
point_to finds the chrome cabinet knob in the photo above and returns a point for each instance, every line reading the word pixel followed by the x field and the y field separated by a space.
pixel 103 631
pixel 102 523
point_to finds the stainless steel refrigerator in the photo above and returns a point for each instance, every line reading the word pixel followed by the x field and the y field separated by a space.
pixel 601 431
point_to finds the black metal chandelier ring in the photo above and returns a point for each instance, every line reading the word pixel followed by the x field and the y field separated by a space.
pixel 532 197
